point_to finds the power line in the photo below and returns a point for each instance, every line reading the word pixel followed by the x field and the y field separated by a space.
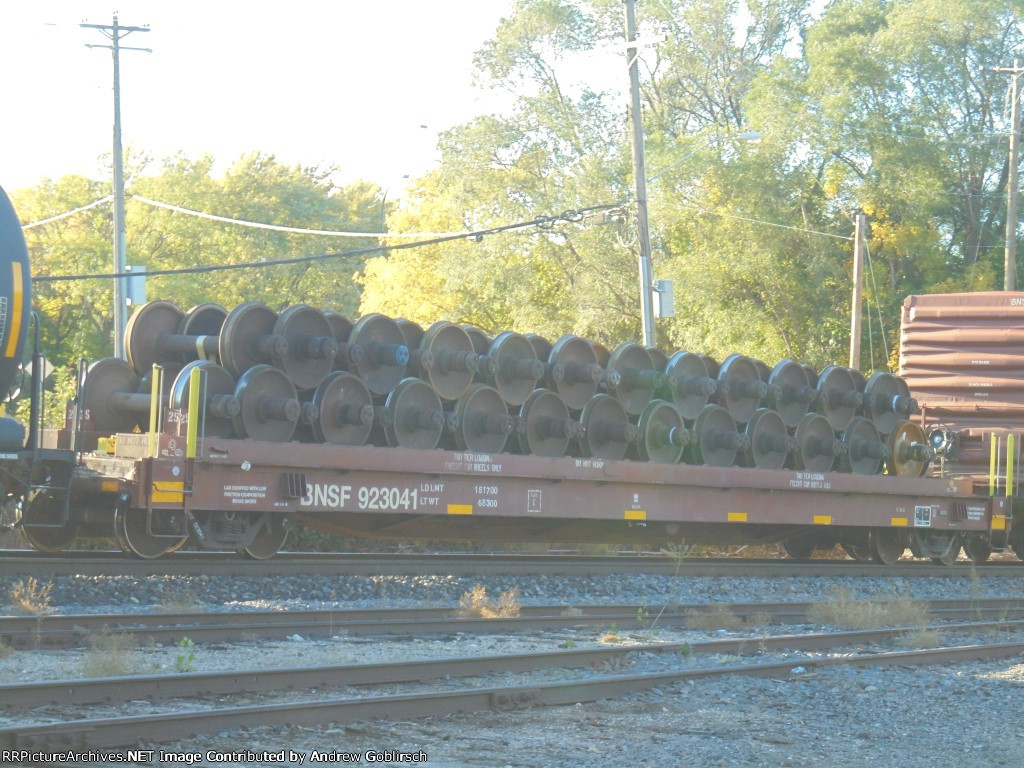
pixel 543 223
pixel 878 309
pixel 702 209
pixel 291 230
pixel 65 215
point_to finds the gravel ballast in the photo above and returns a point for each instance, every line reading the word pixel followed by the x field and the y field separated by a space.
pixel 960 715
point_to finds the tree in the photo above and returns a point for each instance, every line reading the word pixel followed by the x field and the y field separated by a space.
pixel 77 316
pixel 893 110
pixel 871 105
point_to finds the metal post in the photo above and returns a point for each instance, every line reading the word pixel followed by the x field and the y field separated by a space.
pixel 858 280
pixel 114 33
pixel 639 177
pixel 1012 185
pixel 1010 255
pixel 119 230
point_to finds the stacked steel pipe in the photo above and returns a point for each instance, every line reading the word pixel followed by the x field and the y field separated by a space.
pixel 317 377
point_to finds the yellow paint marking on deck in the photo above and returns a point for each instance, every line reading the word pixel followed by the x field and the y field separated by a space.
pixel 823 519
pixel 899 522
pixel 460 509
pixel 636 514
pixel 737 517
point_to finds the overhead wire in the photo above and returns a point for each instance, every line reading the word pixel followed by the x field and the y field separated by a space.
pixel 878 310
pixel 292 230
pixel 66 214
pixel 702 209
pixel 573 216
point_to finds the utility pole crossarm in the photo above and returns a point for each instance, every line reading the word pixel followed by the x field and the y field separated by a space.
pixel 115 28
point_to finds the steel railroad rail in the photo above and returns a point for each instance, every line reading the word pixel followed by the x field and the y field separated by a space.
pixel 109 732
pixel 227 626
pixel 21 562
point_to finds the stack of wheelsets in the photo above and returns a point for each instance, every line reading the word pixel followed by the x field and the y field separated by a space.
pixel 311 375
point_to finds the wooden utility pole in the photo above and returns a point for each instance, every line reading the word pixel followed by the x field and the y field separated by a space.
pixel 858 279
pixel 640 179
pixel 114 32
pixel 1012 188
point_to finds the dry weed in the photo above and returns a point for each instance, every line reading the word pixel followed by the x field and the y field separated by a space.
pixel 843 611
pixel 178 599
pixel 721 617
pixel 110 654
pixel 475 603
pixel 28 596
pixel 923 638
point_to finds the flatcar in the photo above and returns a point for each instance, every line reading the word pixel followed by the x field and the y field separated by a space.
pixel 226 428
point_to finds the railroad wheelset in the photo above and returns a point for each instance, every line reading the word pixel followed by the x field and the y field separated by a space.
pixel 573 371
pixel 688 384
pixel 740 387
pixel 353 383
pixel 544 426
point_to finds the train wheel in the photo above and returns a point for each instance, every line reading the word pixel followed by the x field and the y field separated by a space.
pixel 857 552
pixel 950 557
pixel 886 545
pixel 44 525
pixel 978 548
pixel 50 539
pixel 133 538
pixel 1018 550
pixel 268 542
pixel 800 548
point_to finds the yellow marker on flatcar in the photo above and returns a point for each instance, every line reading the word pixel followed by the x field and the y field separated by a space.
pixel 192 435
pixel 1009 463
pixel 168 492
pixel 992 461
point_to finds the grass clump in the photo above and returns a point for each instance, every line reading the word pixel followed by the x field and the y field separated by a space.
pixel 110 654
pixel 30 597
pixel 841 610
pixel 476 604
pixel 179 599
pixel 923 638
pixel 721 617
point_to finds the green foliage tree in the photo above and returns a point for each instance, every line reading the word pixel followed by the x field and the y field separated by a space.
pixel 77 316
pixel 864 105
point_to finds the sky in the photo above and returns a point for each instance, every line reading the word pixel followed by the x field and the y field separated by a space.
pixel 335 82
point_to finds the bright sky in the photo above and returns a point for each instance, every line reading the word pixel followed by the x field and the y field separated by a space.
pixel 330 82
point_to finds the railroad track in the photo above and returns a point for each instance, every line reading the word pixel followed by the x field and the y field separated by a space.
pixel 102 732
pixel 22 562
pixel 232 626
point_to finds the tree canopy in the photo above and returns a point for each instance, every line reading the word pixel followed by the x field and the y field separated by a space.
pixel 77 316
pixel 889 107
